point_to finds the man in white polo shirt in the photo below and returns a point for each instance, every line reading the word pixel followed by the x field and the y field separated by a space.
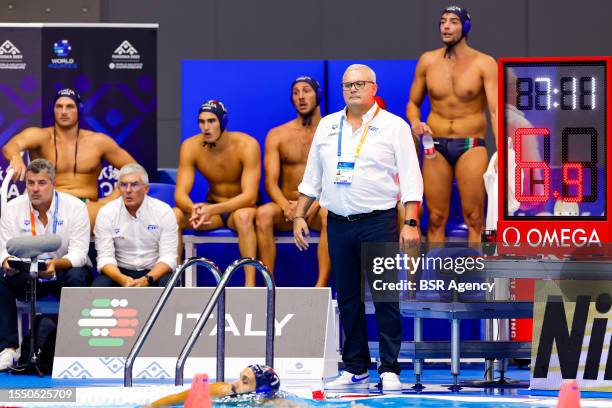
pixel 353 159
pixel 41 211
pixel 136 235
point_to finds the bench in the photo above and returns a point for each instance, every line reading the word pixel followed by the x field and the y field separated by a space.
pixel 193 238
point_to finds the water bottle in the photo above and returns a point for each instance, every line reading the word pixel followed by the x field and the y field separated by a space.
pixel 429 149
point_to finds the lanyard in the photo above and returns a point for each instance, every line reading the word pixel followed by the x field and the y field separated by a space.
pixel 363 135
pixel 33 219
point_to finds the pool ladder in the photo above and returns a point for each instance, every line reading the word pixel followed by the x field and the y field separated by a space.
pixel 218 299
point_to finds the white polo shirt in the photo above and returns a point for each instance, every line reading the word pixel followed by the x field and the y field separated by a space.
pixel 388 150
pixel 136 243
pixel 71 224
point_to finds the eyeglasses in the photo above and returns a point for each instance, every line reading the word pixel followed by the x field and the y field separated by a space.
pixel 134 185
pixel 357 84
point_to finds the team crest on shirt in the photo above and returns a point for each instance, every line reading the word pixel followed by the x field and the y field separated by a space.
pixel 26 226
pixel 334 130
pixel 116 231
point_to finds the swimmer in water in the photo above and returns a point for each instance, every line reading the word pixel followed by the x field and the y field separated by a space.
pixel 258 379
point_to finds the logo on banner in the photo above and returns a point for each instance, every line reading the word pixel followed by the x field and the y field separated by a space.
pixel 125 49
pixel 62 50
pixel 125 56
pixel 568 237
pixel 108 322
pixel 8 50
pixel 11 57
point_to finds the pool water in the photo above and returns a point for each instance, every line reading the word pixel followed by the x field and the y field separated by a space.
pixel 111 394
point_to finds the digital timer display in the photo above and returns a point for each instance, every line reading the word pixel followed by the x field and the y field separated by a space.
pixel 555 140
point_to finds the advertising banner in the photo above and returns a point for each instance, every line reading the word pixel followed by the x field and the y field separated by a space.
pixel 98 327
pixel 571 335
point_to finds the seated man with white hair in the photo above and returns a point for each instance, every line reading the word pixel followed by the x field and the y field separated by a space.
pixel 136 235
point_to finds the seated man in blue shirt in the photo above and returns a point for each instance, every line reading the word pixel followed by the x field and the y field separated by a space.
pixel 136 235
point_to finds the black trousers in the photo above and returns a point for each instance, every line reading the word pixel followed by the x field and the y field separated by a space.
pixel 344 243
pixel 14 287
pixel 104 281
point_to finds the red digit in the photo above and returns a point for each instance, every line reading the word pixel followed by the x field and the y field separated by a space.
pixel 520 165
pixel 567 181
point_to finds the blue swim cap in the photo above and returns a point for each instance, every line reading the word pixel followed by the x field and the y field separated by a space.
pixel 70 93
pixel 217 108
pixel 266 379
pixel 464 16
pixel 313 83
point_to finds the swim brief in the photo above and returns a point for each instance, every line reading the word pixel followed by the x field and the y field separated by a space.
pixel 224 216
pixel 453 148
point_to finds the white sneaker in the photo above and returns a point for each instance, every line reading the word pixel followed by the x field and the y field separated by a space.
pixel 390 381
pixel 350 381
pixel 8 357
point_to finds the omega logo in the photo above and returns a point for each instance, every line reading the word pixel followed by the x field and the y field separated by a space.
pixel 578 237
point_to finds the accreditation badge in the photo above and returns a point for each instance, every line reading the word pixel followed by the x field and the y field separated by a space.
pixel 344 173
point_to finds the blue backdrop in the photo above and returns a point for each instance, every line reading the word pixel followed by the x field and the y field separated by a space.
pixel 257 93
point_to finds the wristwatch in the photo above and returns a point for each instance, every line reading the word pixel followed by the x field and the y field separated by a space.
pixel 150 280
pixel 411 222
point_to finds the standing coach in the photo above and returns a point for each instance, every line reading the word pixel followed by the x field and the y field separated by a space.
pixel 354 156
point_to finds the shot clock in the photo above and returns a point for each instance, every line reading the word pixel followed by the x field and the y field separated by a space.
pixel 553 145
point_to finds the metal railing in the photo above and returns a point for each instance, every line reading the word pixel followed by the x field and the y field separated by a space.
pixel 217 294
pixel 144 333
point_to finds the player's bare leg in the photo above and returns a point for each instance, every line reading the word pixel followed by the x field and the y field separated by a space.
pixel 438 183
pixel 268 218
pixel 182 221
pixel 243 221
pixel 469 171
pixel 318 222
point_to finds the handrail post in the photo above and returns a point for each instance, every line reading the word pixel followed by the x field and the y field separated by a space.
pixel 157 309
pixel 220 289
